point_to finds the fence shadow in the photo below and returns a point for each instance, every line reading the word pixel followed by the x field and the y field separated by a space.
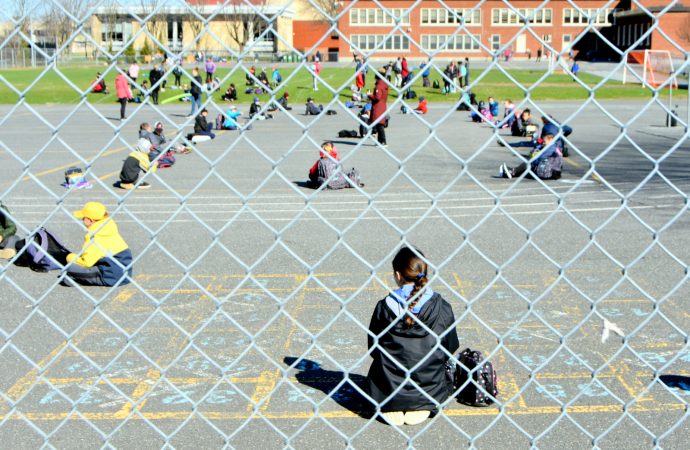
pixel 329 382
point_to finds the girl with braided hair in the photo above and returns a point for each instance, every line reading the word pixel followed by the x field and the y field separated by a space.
pixel 414 327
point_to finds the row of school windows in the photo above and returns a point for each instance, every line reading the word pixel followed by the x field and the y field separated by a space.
pixel 499 16
pixel 443 42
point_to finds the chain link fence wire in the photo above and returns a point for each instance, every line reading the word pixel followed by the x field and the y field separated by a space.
pixel 108 394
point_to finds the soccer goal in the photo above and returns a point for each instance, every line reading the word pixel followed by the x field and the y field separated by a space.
pixel 655 67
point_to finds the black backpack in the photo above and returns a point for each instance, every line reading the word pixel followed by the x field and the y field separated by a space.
pixel 35 256
pixel 410 94
pixel 485 380
pixel 435 85
pixel 347 134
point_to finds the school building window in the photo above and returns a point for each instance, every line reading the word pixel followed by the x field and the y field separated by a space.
pixel 567 41
pixel 495 42
pixel 464 43
pixel 441 16
pixel 376 16
pixel 506 16
pixel 572 16
pixel 380 41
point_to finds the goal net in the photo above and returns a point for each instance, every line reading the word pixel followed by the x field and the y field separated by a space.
pixel 655 67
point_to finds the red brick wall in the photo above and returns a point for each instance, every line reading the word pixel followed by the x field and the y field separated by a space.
pixel 556 30
pixel 306 33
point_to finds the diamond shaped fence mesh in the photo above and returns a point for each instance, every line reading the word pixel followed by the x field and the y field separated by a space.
pixel 243 316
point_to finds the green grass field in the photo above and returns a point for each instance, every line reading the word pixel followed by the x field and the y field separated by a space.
pixel 52 87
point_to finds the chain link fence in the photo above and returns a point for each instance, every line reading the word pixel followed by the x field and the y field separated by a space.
pixel 246 321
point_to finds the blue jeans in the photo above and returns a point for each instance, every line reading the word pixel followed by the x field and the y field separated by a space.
pixel 196 104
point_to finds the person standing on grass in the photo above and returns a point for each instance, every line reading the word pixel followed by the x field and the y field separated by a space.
pixel 405 73
pixel 155 76
pixel 210 69
pixel 467 72
pixel 575 69
pixel 379 100
pixel 411 333
pixel 124 93
pixel 316 68
pixel 133 71
pixel 177 72
pixel 195 91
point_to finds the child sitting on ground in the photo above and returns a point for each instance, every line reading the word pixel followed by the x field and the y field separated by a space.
pixel 229 119
pixel 493 107
pixel 524 125
pixel 508 114
pixel 230 94
pixel 312 108
pixel 201 126
pixel 255 110
pixel 283 102
pixel 137 161
pixel 325 171
pixel 482 114
pixel 546 164
pixel 422 106
pixel 105 258
pixel 99 86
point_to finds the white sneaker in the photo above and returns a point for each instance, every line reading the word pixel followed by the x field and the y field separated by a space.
pixel 396 418
pixel 416 417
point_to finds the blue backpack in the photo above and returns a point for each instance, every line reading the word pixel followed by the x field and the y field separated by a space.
pixel 45 253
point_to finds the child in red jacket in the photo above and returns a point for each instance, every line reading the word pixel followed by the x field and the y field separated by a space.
pixel 422 107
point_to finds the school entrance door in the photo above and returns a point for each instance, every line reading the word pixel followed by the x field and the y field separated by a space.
pixel 521 44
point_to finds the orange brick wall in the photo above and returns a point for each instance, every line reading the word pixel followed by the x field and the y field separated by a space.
pixel 556 30
pixel 306 33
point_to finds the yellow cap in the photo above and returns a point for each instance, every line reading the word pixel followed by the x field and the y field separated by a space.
pixel 92 210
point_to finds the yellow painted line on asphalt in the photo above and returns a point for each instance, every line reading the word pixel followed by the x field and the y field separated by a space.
pixel 570 161
pixel 344 414
pixel 140 391
pixel 66 166
pixel 23 384
pixel 269 378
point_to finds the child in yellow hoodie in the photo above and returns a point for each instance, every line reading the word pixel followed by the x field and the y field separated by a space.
pixel 105 258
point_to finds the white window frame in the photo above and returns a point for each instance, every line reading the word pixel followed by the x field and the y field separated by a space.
pixel 370 41
pixel 567 45
pixel 376 17
pixel 509 18
pixel 495 43
pixel 578 19
pixel 453 43
pixel 444 17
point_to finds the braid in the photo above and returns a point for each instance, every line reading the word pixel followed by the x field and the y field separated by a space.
pixel 419 284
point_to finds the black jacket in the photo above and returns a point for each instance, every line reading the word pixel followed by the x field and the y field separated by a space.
pixel 195 89
pixel 200 124
pixel 154 76
pixel 409 346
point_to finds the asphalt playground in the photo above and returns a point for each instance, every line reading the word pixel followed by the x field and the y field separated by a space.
pixel 245 325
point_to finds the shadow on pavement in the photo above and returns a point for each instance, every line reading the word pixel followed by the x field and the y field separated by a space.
pixel 331 383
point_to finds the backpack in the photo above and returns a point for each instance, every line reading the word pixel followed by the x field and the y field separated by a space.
pixel 436 84
pixel 410 94
pixel 165 161
pixel 36 255
pixel 485 380
pixel 404 109
pixel 347 134
pixel 74 176
pixel 220 120
pixel 331 112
